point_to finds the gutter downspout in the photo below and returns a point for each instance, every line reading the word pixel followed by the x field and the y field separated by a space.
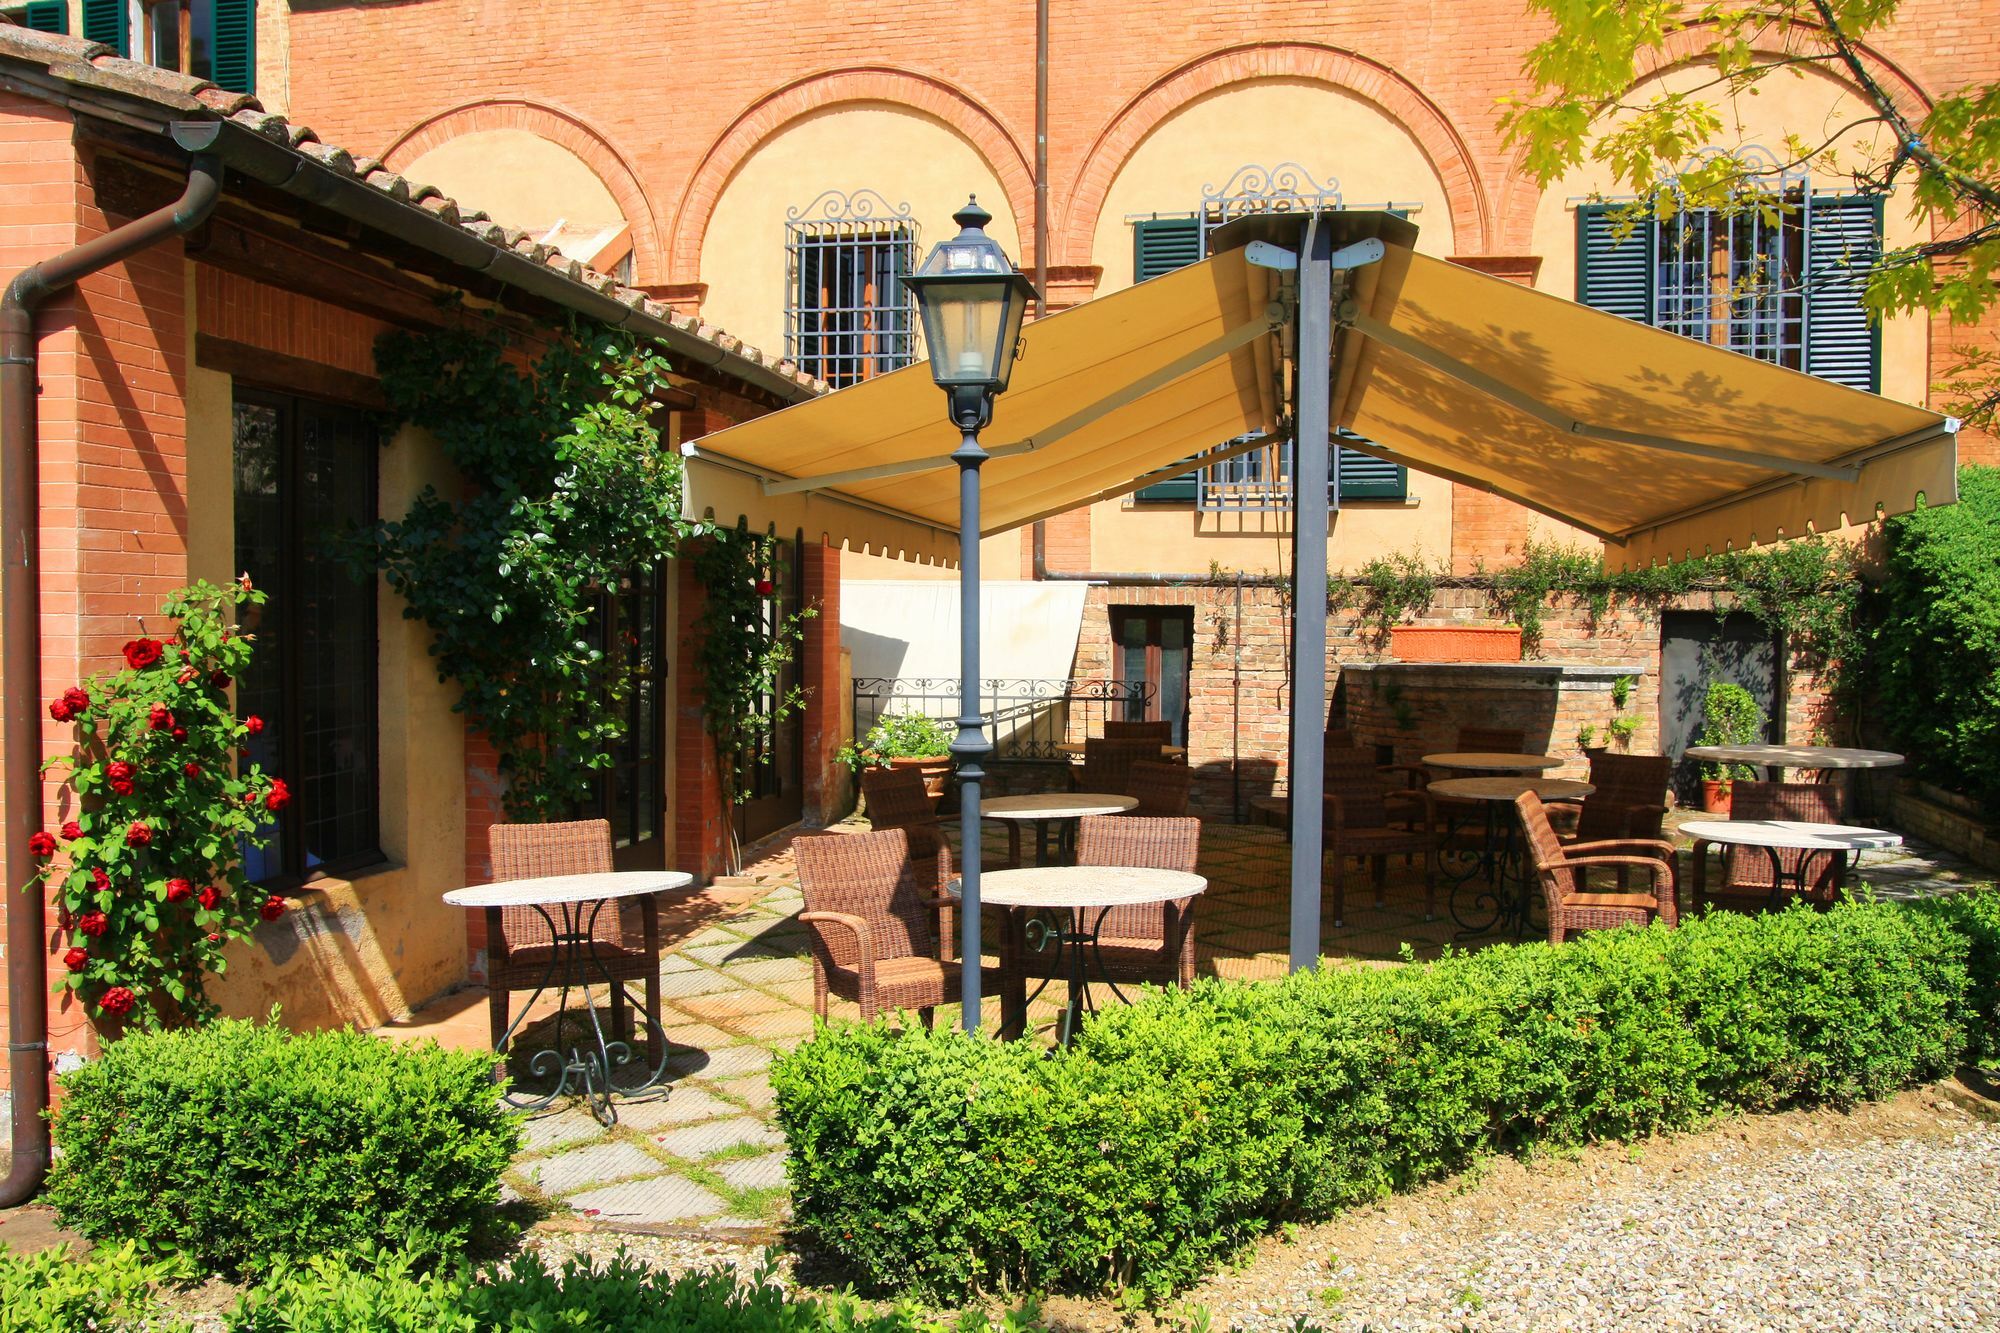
pixel 21 637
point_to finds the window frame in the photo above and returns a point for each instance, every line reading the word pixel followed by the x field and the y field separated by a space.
pixel 851 229
pixel 294 873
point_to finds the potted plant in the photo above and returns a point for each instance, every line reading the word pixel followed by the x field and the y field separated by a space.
pixel 906 740
pixel 1729 716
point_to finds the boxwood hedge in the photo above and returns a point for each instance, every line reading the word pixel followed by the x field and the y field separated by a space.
pixel 1179 1128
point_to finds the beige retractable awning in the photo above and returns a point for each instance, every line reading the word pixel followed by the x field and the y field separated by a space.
pixel 1659 444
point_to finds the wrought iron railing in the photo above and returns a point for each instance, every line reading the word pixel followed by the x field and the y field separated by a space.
pixel 1027 719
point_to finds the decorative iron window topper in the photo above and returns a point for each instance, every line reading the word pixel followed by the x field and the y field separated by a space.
pixel 1285 188
pixel 848 316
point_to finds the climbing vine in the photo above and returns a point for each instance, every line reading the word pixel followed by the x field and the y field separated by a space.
pixel 568 489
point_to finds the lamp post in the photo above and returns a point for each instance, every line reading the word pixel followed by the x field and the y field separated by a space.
pixel 972 300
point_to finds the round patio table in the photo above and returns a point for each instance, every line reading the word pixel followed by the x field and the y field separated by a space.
pixel 1047 810
pixel 1776 836
pixel 1499 860
pixel 580 1051
pixel 1081 896
pixel 1773 760
pixel 1484 761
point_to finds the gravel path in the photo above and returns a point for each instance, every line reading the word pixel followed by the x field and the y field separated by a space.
pixel 1818 1225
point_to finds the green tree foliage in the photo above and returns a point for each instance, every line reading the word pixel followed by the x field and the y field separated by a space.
pixel 1935 662
pixel 1667 144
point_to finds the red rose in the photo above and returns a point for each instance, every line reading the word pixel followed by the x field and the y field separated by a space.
pixel 160 718
pixel 121 786
pixel 219 680
pixel 254 725
pixel 765 587
pixel 214 938
pixel 93 924
pixel 179 890
pixel 273 908
pixel 191 769
pixel 99 879
pixel 187 674
pixel 139 834
pixel 40 843
pixel 76 960
pixel 60 710
pixel 117 1001
pixel 278 797
pixel 141 653
pixel 180 733
pixel 209 897
pixel 118 768
pixel 71 830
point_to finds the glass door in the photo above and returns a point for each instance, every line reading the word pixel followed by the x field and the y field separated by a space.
pixel 1153 650
pixel 632 792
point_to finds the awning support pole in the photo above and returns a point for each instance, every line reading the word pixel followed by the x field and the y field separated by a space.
pixel 971 745
pixel 1311 511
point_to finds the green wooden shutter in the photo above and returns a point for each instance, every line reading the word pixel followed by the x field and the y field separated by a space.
pixel 1365 477
pixel 1161 245
pixel 47 16
pixel 1613 274
pixel 1843 242
pixel 233 57
pixel 105 21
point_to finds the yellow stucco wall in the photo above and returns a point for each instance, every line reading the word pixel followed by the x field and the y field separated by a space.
pixel 519 178
pixel 370 948
pixel 902 155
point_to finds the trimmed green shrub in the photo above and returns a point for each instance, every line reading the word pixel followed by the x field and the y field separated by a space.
pixel 1179 1128
pixel 1976 916
pixel 1935 659
pixel 623 1296
pixel 114 1291
pixel 241 1144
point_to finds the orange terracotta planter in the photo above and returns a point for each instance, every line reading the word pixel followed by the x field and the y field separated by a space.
pixel 1455 643
pixel 934 770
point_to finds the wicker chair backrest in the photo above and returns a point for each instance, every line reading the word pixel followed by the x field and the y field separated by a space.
pixel 1107 765
pixel 1545 850
pixel 1355 778
pixel 1807 802
pixel 1162 788
pixel 1136 840
pixel 532 851
pixel 882 877
pixel 1160 732
pixel 897 798
pixel 1623 781
pixel 1492 740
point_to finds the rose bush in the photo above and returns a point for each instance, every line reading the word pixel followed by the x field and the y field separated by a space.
pixel 157 807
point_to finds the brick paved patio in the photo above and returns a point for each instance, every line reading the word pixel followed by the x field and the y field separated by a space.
pixel 738 989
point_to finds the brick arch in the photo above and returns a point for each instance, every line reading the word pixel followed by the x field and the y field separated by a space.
pixel 872 83
pixel 1521 197
pixel 1439 140
pixel 566 130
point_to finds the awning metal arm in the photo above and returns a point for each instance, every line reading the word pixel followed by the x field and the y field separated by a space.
pixel 1417 350
pixel 1246 332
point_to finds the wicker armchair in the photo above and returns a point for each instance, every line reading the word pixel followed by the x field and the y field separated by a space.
pixel 519 947
pixel 1563 872
pixel 1107 764
pixel 1471 740
pixel 1134 944
pixel 897 798
pixel 1160 732
pixel 1630 800
pixel 1360 822
pixel 880 919
pixel 1747 884
pixel 1161 788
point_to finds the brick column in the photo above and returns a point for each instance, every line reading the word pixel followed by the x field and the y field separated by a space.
pixel 819 674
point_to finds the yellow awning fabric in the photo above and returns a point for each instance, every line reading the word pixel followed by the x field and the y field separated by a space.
pixel 1102 395
pixel 1659 444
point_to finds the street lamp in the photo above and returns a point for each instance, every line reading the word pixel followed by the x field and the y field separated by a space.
pixel 972 300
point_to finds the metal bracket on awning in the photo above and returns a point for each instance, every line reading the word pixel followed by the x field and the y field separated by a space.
pixel 1246 332
pixel 1417 350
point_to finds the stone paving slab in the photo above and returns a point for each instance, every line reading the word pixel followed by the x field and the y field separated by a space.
pixel 755 1090
pixel 571 1124
pixel 736 1061
pixel 754 1173
pixel 581 1168
pixel 683 1106
pixel 660 1200
pixel 699 1141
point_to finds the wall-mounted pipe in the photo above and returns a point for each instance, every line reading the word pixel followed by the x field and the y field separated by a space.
pixel 21 637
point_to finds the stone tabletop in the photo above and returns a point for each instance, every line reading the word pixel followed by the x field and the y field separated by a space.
pixel 553 889
pixel 1796 756
pixel 1084 886
pixel 1791 834
pixel 1506 789
pixel 1489 762
pixel 1057 805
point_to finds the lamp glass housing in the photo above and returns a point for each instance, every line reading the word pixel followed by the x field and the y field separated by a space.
pixel 973 302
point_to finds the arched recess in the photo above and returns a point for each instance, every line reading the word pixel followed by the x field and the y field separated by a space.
pixel 774 110
pixel 1520 197
pixel 566 130
pixel 1450 157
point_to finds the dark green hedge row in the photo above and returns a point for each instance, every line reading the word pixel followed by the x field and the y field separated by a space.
pixel 1181 1127
pixel 239 1145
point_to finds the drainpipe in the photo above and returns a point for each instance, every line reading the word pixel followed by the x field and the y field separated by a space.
pixel 21 637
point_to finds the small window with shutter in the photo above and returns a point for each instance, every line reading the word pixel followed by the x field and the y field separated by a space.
pixel 40 15
pixel 209 39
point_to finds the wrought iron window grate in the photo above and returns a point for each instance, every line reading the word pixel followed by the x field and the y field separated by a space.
pixel 848 316
pixel 1737 279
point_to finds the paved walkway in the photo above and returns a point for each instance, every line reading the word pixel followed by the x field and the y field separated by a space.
pixel 738 989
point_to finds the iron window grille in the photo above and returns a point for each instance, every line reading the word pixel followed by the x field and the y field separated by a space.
pixel 848 316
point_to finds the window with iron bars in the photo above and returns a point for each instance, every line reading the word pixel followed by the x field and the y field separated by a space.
pixel 848 316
